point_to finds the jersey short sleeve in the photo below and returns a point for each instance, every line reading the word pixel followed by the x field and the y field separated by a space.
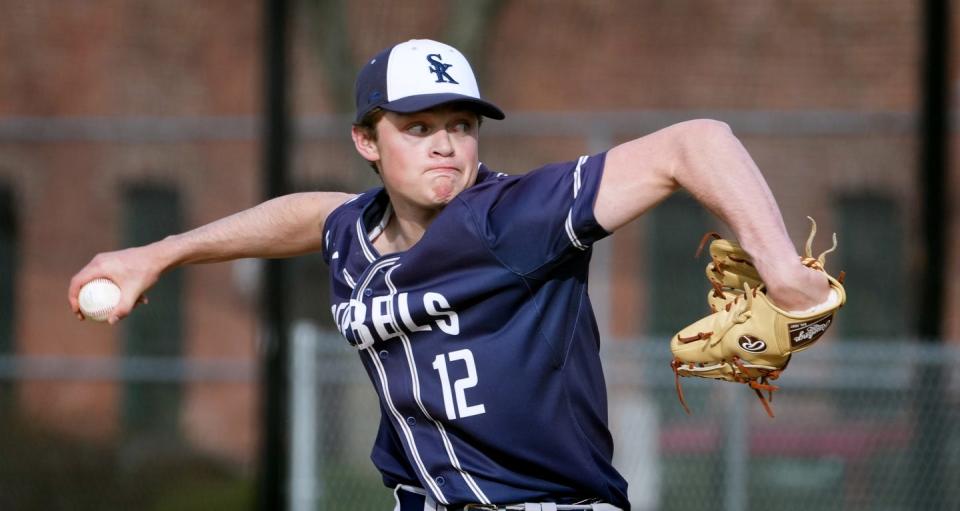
pixel 541 218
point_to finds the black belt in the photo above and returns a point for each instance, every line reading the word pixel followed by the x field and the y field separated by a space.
pixel 415 499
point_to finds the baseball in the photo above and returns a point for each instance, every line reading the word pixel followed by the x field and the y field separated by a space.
pixel 98 298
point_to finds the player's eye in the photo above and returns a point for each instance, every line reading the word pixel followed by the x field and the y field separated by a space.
pixel 417 129
pixel 463 126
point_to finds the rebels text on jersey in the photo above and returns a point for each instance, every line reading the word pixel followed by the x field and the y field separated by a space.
pixel 480 339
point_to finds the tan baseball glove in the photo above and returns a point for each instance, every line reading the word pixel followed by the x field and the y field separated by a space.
pixel 729 269
pixel 748 339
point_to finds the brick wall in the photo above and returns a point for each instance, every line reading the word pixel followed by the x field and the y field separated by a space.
pixel 112 60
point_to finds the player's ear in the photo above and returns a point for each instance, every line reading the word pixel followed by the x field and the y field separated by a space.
pixel 365 143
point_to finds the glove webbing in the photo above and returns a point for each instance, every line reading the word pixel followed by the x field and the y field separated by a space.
pixel 717 264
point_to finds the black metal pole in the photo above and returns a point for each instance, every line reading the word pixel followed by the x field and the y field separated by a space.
pixel 935 159
pixel 274 440
pixel 931 428
pixel 935 145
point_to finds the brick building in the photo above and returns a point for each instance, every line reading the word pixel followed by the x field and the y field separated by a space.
pixel 123 121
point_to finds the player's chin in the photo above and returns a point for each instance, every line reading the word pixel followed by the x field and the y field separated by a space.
pixel 444 188
pixel 441 200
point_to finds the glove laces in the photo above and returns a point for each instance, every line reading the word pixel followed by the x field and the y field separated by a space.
pixel 735 313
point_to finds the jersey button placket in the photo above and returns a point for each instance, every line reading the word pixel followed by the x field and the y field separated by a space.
pixel 411 421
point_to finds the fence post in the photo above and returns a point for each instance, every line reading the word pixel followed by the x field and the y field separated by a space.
pixel 304 426
pixel 736 449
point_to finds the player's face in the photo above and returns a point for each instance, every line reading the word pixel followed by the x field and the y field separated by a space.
pixel 427 158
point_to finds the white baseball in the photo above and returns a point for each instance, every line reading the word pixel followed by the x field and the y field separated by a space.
pixel 98 298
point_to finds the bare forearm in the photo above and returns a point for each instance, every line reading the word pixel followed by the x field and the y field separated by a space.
pixel 282 227
pixel 716 169
pixel 706 159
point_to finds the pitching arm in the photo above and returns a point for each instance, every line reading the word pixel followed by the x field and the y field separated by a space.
pixel 283 227
pixel 705 158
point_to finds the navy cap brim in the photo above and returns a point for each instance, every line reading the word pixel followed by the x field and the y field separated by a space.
pixel 411 104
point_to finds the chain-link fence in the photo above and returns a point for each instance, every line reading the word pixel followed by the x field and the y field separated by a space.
pixel 84 463
pixel 860 425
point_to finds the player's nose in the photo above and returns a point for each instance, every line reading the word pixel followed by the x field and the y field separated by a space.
pixel 441 144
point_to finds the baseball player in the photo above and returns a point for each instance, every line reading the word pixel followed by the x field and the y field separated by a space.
pixel 464 290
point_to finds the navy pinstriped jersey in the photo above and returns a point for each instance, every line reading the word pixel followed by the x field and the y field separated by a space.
pixel 480 339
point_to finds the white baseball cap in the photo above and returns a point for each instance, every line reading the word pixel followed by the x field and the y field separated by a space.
pixel 417 75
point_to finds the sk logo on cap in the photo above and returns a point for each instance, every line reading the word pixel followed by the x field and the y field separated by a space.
pixel 398 80
pixel 440 69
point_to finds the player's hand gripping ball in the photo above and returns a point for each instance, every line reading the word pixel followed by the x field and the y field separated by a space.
pixel 98 298
pixel 748 339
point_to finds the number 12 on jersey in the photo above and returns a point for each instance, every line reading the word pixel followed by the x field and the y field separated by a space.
pixel 460 386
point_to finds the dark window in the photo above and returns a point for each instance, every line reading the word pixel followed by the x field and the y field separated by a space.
pixel 308 282
pixel 678 286
pixel 8 272
pixel 150 214
pixel 871 252
pixel 308 278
